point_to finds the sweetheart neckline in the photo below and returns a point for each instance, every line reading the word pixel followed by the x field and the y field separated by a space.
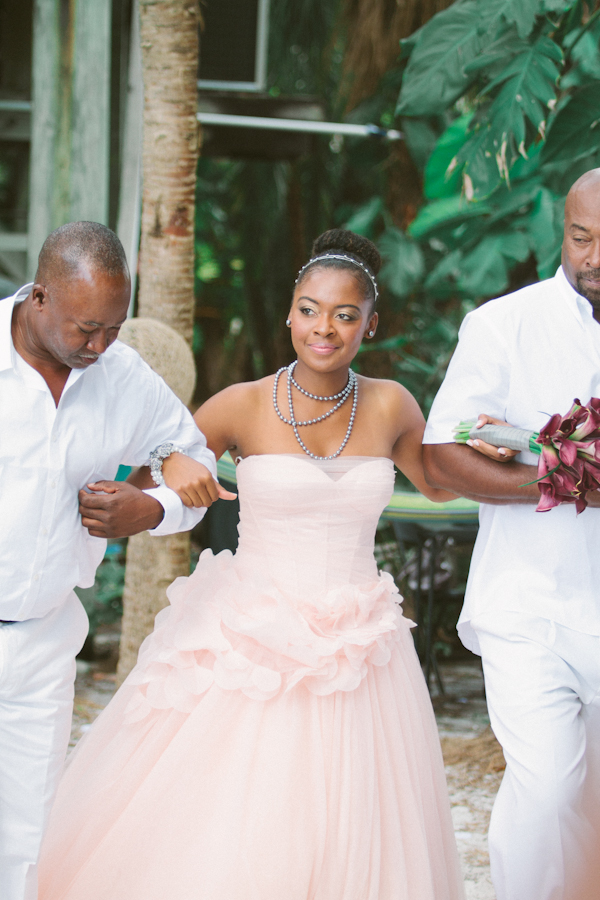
pixel 302 456
pixel 331 473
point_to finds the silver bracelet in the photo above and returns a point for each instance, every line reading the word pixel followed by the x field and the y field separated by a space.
pixel 157 457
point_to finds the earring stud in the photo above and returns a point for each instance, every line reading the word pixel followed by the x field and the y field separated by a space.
pixel 288 322
pixel 371 333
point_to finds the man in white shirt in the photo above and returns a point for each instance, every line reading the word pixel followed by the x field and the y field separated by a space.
pixel 73 406
pixel 532 608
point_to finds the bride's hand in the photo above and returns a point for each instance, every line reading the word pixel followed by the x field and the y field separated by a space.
pixel 499 454
pixel 192 482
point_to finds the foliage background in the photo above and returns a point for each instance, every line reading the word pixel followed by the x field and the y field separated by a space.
pixel 499 102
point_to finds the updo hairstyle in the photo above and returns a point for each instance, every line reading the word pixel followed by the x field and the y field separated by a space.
pixel 346 243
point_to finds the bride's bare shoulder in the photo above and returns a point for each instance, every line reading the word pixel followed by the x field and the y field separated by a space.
pixel 386 394
pixel 239 400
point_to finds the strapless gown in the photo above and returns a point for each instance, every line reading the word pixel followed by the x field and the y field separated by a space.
pixel 276 740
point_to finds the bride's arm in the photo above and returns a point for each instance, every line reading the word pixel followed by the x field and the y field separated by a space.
pixel 221 419
pixel 407 452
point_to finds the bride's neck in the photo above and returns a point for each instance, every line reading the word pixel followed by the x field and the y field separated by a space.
pixel 320 383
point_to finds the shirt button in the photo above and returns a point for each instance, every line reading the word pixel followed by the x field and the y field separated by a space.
pixel 54 439
pixel 44 532
pixel 53 484
pixel 36 577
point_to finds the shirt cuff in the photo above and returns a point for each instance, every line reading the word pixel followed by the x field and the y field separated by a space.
pixel 438 434
pixel 173 507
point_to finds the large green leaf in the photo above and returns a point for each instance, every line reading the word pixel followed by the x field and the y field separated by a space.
pixel 526 87
pixel 544 225
pixel 404 263
pixel 438 70
pixel 391 343
pixel 559 6
pixel 439 182
pixel 585 55
pixel 420 138
pixel 521 13
pixel 443 277
pixel 575 132
pixel 363 220
pixel 484 271
pixel 435 76
pixel 444 212
pixel 517 200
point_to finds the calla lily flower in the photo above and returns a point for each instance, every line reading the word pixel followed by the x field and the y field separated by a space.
pixel 569 463
pixel 569 448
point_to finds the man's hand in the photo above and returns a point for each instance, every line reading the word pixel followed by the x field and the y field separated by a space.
pixel 117 509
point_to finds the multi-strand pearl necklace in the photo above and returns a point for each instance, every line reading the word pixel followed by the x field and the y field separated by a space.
pixel 341 397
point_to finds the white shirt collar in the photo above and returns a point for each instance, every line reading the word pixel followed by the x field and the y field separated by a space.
pixel 7 349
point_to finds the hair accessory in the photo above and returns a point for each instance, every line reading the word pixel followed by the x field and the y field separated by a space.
pixel 346 258
pixel 158 456
pixel 288 322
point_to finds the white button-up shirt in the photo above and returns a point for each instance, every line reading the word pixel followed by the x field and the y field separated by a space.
pixel 523 358
pixel 115 411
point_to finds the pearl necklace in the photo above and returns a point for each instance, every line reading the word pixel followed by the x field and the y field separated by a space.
pixel 343 395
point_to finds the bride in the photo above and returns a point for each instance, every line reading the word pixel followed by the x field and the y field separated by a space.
pixel 275 740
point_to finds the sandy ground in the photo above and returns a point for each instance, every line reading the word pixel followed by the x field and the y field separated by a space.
pixel 473 758
pixel 474 767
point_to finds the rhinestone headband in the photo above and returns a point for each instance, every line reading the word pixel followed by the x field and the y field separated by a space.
pixel 346 258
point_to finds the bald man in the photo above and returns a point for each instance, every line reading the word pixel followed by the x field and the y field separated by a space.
pixel 532 608
pixel 74 404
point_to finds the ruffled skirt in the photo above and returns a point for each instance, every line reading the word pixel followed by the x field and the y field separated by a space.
pixel 260 750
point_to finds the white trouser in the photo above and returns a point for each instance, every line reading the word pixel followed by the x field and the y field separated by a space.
pixel 542 683
pixel 37 672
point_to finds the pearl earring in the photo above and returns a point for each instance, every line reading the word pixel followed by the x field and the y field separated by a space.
pixel 288 322
pixel 371 333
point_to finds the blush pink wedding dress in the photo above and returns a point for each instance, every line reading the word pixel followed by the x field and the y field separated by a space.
pixel 276 740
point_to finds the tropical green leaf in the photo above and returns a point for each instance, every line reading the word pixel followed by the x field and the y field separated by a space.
pixel 526 88
pixel 404 262
pixel 444 212
pixel 527 166
pixel 484 271
pixel 559 6
pixel 575 131
pixel 363 220
pixel 585 55
pixel 420 139
pixel 544 225
pixel 439 181
pixel 446 274
pixel 533 68
pixel 435 74
pixel 391 343
pixel 414 364
pixel 521 13
pixel 514 201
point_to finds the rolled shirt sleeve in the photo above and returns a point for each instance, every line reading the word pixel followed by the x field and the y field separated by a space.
pixel 167 419
pixel 477 380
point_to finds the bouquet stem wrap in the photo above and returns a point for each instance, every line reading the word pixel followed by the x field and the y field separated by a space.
pixel 500 436
pixel 568 447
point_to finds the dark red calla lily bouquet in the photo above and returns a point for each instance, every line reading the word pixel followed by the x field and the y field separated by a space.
pixel 568 447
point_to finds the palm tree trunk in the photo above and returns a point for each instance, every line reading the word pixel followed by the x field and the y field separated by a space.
pixel 374 29
pixel 169 39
